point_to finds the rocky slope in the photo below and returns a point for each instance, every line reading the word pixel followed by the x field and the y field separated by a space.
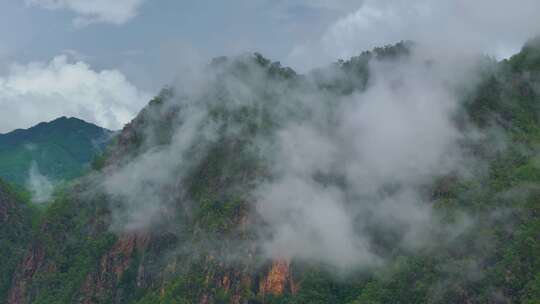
pixel 15 219
pixel 169 215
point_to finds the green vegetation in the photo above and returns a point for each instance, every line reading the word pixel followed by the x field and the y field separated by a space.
pixel 15 223
pixel 496 262
pixel 74 239
pixel 62 150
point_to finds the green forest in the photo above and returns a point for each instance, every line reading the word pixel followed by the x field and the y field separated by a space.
pixel 187 230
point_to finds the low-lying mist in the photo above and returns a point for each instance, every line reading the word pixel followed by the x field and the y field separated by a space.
pixel 335 166
pixel 41 188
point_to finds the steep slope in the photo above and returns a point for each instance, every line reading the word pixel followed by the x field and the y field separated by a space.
pixel 60 149
pixel 172 213
pixel 15 220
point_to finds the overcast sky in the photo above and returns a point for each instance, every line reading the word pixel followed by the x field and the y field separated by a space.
pixel 101 60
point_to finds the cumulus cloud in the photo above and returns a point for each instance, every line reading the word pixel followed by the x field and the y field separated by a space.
pixel 339 6
pixel 96 11
pixel 495 27
pixel 42 91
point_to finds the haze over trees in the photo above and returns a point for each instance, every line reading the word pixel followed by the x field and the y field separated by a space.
pixel 400 175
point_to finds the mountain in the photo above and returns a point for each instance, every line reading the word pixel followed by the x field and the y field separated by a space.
pixel 256 184
pixel 15 219
pixel 59 150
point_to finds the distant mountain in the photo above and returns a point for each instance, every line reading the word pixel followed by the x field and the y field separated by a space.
pixel 58 150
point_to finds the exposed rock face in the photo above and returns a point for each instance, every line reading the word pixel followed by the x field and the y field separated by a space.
pixel 15 228
pixel 32 263
pixel 279 280
pixel 276 279
pixel 101 283
pixel 232 282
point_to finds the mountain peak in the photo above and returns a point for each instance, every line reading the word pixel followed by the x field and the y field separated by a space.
pixel 61 149
pixel 73 121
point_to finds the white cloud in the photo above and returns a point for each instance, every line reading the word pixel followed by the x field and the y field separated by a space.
pixel 340 5
pixel 338 169
pixel 39 185
pixel 497 27
pixel 42 91
pixel 372 154
pixel 94 11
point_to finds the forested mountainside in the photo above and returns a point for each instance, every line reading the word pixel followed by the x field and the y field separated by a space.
pixel 250 183
pixel 15 219
pixel 59 150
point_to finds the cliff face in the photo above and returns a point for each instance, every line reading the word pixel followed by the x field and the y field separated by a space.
pixel 279 280
pixel 102 283
pixel 32 264
pixel 15 223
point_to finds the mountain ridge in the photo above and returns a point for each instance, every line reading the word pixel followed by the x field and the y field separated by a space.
pixel 61 149
pixel 160 223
